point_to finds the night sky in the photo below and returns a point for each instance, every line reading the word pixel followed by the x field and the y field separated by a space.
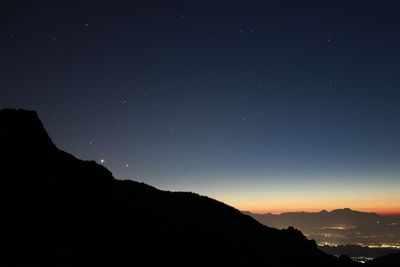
pixel 269 106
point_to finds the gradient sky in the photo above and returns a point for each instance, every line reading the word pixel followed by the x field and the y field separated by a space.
pixel 265 105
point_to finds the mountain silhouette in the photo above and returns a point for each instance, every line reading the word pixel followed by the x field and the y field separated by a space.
pixel 340 227
pixel 323 218
pixel 57 210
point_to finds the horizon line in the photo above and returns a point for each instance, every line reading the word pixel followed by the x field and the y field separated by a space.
pixel 280 212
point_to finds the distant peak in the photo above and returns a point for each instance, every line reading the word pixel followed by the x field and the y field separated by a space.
pixel 342 210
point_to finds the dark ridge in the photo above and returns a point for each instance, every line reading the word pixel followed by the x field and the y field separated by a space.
pixel 61 211
pixel 25 130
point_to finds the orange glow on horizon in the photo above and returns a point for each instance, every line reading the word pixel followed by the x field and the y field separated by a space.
pixel 277 206
pixel 388 212
pixel 383 199
pixel 384 212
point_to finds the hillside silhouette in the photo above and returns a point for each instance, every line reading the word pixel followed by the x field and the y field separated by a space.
pixel 58 210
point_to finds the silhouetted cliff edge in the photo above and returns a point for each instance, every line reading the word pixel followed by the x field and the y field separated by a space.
pixel 57 210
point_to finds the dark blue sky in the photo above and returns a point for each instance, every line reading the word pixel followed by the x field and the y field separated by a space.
pixel 252 102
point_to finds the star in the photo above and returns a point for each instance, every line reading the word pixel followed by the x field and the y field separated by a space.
pixel 102 161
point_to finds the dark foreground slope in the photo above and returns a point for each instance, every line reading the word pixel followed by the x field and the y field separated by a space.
pixel 391 260
pixel 57 210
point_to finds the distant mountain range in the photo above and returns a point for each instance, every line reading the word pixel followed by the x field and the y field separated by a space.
pixel 57 210
pixel 339 227
pixel 342 231
pixel 336 218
